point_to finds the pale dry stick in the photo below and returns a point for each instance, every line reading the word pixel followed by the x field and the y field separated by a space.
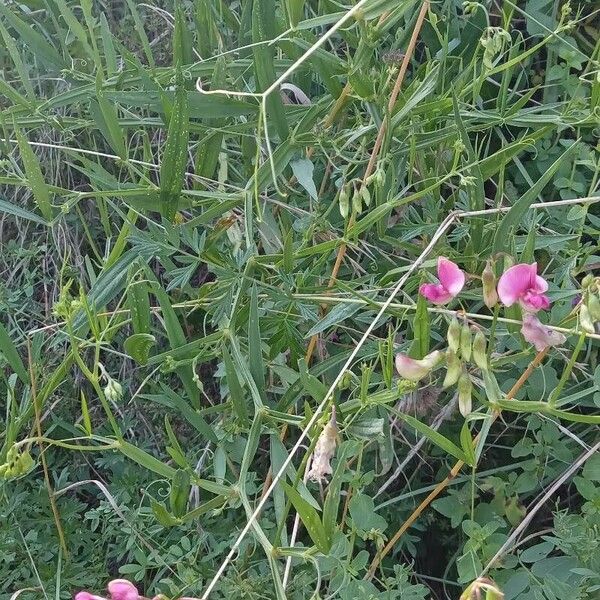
pixel 531 512
pixel 453 473
pixel 446 223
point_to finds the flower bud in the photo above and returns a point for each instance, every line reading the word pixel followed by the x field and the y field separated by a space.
pixel 344 203
pixel 587 281
pixel 454 335
pixel 415 370
pixel 480 350
pixel 113 390
pixel 465 390
pixel 482 584
pixel 593 305
pixel 488 278
pixel 453 369
pixel 357 202
pixel 465 342
pixel 585 319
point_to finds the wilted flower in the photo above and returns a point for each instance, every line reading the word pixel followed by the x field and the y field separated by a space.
pixel 113 391
pixel 538 334
pixel 324 451
pixel 480 350
pixel 453 369
pixel 413 369
pixel 482 588
pixel 522 283
pixel 452 280
pixel 465 392
pixel 453 336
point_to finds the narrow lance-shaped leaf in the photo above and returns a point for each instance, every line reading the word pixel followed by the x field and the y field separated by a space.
pixel 174 160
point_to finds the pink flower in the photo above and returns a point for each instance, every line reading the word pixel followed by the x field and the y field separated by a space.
pixel 413 369
pixel 522 283
pixel 452 280
pixel 538 334
pixel 87 596
pixel 121 589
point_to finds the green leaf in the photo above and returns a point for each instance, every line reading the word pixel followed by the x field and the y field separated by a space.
pixel 163 516
pixel 146 460
pixel 332 500
pixel 435 437
pixel 235 389
pixel 106 118
pixel 255 355
pixel 466 441
pixel 34 175
pixel 11 355
pixel 310 519
pixel 512 219
pixel 175 156
pixel 138 346
pixel 303 169
pixel 139 306
pixel 17 211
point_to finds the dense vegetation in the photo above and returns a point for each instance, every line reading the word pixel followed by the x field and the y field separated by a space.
pixel 220 225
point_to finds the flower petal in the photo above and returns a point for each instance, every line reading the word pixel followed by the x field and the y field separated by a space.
pixel 87 596
pixel 515 281
pixel 539 335
pixel 414 370
pixel 121 589
pixel 435 293
pixel 533 302
pixel 540 285
pixel 450 275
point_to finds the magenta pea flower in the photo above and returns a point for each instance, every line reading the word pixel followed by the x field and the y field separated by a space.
pixel 522 284
pixel 452 280
pixel 87 596
pixel 121 589
pixel 536 333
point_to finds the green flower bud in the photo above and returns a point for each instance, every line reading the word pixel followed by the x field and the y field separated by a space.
pixel 480 350
pixel 465 342
pixel 454 335
pixel 488 278
pixel 593 305
pixel 113 390
pixel 465 390
pixel 585 319
pixel 344 203
pixel 453 369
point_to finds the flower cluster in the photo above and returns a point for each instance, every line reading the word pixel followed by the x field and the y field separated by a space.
pixel 519 285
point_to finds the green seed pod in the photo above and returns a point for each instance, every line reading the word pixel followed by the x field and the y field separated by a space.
pixel 593 305
pixel 465 390
pixel 480 350
pixel 490 296
pixel 465 342
pixel 357 202
pixel 585 319
pixel 344 203
pixel 453 369
pixel 365 195
pixel 454 335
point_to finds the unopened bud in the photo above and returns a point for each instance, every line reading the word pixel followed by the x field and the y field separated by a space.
pixel 587 281
pixel 365 195
pixel 480 350
pixel 453 369
pixel 344 203
pixel 485 585
pixel 585 319
pixel 454 335
pixel 593 305
pixel 113 390
pixel 488 278
pixel 465 342
pixel 465 390
pixel 357 202
pixel 415 370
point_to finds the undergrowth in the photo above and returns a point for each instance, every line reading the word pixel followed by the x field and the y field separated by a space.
pixel 215 221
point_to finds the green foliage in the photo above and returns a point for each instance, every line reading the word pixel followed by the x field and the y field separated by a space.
pixel 170 223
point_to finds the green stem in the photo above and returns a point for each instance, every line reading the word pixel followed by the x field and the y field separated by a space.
pixel 567 372
pixel 492 338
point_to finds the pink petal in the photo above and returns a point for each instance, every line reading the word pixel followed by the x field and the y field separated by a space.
pixel 414 370
pixel 121 589
pixel 533 302
pixel 515 281
pixel 540 285
pixel 539 335
pixel 87 596
pixel 435 292
pixel 450 276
